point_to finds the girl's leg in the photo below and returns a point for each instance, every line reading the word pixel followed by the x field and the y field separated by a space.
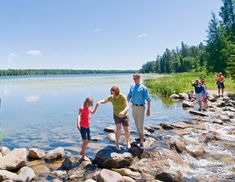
pixel 84 145
pixel 117 134
pixel 127 136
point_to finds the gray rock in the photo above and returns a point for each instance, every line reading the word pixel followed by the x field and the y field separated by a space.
pixel 35 153
pixel 174 96
pixel 106 175
pixel 109 157
pixel 26 174
pixel 55 154
pixel 14 160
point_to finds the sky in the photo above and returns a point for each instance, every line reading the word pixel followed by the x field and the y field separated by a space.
pixel 98 34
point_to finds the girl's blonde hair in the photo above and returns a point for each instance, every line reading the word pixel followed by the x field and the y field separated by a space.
pixel 115 89
pixel 88 101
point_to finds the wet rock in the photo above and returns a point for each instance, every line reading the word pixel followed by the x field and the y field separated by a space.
pixel 198 113
pixel 67 163
pixel 106 175
pixel 128 172
pixel 109 157
pixel 14 160
pixel 169 176
pixel 136 150
pixel 111 137
pixel 186 104
pixel 4 151
pixel 181 124
pixel 174 96
pixel 110 129
pixel 41 169
pixel 55 154
pixel 35 153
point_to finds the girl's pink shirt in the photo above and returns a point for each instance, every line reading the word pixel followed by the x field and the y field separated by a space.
pixel 84 117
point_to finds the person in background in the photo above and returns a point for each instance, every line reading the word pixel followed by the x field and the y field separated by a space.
pixel 120 114
pixel 83 124
pixel 220 83
pixel 138 95
pixel 199 92
pixel 205 96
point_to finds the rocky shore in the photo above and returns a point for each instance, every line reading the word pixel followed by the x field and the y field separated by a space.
pixel 199 149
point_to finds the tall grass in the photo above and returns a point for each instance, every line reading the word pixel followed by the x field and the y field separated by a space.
pixel 181 82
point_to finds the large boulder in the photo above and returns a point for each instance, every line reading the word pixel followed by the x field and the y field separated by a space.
pixel 55 154
pixel 26 174
pixel 109 157
pixel 4 151
pixel 186 104
pixel 14 160
pixel 35 153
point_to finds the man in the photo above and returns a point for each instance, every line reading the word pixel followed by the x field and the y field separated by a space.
pixel 220 83
pixel 138 95
pixel 199 92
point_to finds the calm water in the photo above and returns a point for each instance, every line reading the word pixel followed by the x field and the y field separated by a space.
pixel 41 111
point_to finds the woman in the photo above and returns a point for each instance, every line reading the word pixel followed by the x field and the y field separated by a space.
pixel 120 114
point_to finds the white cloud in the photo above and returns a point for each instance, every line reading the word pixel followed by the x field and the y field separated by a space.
pixel 34 52
pixel 11 57
pixel 32 98
pixel 95 30
pixel 142 35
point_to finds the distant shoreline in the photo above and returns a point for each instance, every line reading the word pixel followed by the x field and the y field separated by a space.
pixel 25 72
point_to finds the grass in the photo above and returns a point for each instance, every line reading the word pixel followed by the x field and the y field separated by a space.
pixel 181 82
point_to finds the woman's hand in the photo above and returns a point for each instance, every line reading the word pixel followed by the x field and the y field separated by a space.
pixel 121 114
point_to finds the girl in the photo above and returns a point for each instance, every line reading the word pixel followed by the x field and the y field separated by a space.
pixel 120 114
pixel 83 124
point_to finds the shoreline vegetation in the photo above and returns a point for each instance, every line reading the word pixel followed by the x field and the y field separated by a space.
pixel 23 72
pixel 181 82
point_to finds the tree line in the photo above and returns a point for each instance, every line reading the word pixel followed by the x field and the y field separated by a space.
pixel 217 55
pixel 17 72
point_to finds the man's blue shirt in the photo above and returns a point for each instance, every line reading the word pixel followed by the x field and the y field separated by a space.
pixel 138 94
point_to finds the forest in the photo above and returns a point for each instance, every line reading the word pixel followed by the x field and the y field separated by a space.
pixel 217 54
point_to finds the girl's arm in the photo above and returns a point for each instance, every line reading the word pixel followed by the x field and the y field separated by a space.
pixel 94 110
pixel 122 114
pixel 78 122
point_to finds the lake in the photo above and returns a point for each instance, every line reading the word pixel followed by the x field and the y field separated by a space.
pixel 41 111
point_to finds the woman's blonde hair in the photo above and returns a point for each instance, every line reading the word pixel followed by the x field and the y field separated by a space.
pixel 115 90
pixel 89 101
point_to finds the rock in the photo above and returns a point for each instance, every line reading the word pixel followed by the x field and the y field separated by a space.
pixel 128 179
pixel 128 172
pixel 218 121
pixel 166 126
pixel 186 104
pixel 179 145
pixel 59 174
pixel 110 129
pixel 109 157
pixel 198 113
pixel 181 124
pixel 195 151
pixel 55 154
pixel 7 175
pixel 224 118
pixel 26 174
pixel 106 175
pixel 41 170
pixel 183 96
pixel 135 150
pixel 96 138
pixel 111 137
pixel 67 163
pixel 147 177
pixel 4 151
pixel 90 180
pixel 14 160
pixel 174 96
pixel 169 176
pixel 205 138
pixel 35 153
pixel 149 128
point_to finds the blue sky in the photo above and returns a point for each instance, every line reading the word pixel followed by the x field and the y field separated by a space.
pixel 98 34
